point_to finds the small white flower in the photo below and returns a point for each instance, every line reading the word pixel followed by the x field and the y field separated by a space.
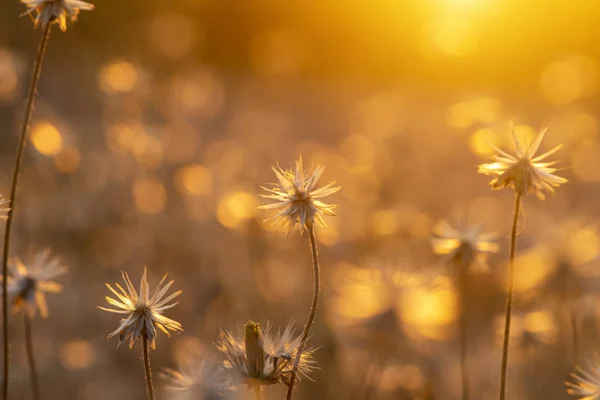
pixel 297 197
pixel 55 11
pixel 524 172
pixel 258 357
pixel 586 382
pixel 28 284
pixel 144 310
pixel 467 244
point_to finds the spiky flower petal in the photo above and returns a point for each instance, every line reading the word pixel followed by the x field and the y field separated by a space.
pixel 586 381
pixel 28 283
pixel 466 245
pixel 297 198
pixel 55 11
pixel 524 172
pixel 144 310
pixel 259 357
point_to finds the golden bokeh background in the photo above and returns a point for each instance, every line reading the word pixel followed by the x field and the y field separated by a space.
pixel 156 123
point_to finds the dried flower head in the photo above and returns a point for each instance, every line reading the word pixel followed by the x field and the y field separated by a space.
pixel 198 379
pixel 144 310
pixel 55 11
pixel 258 357
pixel 586 385
pixel 467 245
pixel 297 197
pixel 28 284
pixel 524 172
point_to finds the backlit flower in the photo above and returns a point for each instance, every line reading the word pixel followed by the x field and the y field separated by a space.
pixel 259 357
pixel 524 172
pixel 297 198
pixel 28 284
pixel 55 11
pixel 586 381
pixel 467 245
pixel 144 311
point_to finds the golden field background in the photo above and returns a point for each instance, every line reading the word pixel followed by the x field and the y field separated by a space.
pixel 157 122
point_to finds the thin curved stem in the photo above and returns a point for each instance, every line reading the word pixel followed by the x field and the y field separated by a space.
pixel 257 392
pixel 35 388
pixel 37 70
pixel 509 296
pixel 463 331
pixel 575 334
pixel 147 371
pixel 313 307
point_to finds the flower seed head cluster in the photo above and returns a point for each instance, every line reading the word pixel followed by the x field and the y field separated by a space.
pixel 467 245
pixel 586 382
pixel 28 284
pixel 260 357
pixel 55 11
pixel 198 379
pixel 144 311
pixel 523 171
pixel 297 198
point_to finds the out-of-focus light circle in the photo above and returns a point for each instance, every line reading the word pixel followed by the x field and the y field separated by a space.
pixel 77 355
pixel 569 79
pixel 147 150
pixel 8 75
pixel 278 52
pixel 149 195
pixel 428 308
pixel 118 77
pixel 193 179
pixel 533 266
pixel 586 163
pixel 385 222
pixel 363 294
pixel 459 115
pixel 236 208
pixel 173 34
pixel 454 36
pixel 67 160
pixel 121 137
pixel 46 138
pixel 481 140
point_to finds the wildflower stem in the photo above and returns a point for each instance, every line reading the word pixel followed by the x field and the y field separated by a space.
pixel 313 308
pixel 575 335
pixel 463 331
pixel 37 69
pixel 509 296
pixel 31 358
pixel 148 372
pixel 257 392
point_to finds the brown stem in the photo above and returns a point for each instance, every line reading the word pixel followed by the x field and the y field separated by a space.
pixel 148 372
pixel 509 296
pixel 313 307
pixel 35 389
pixel 574 331
pixel 37 70
pixel 463 331
pixel 257 392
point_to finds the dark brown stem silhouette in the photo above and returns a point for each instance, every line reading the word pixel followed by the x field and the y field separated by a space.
pixel 509 296
pixel 147 370
pixel 37 70
pixel 313 307
pixel 35 388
